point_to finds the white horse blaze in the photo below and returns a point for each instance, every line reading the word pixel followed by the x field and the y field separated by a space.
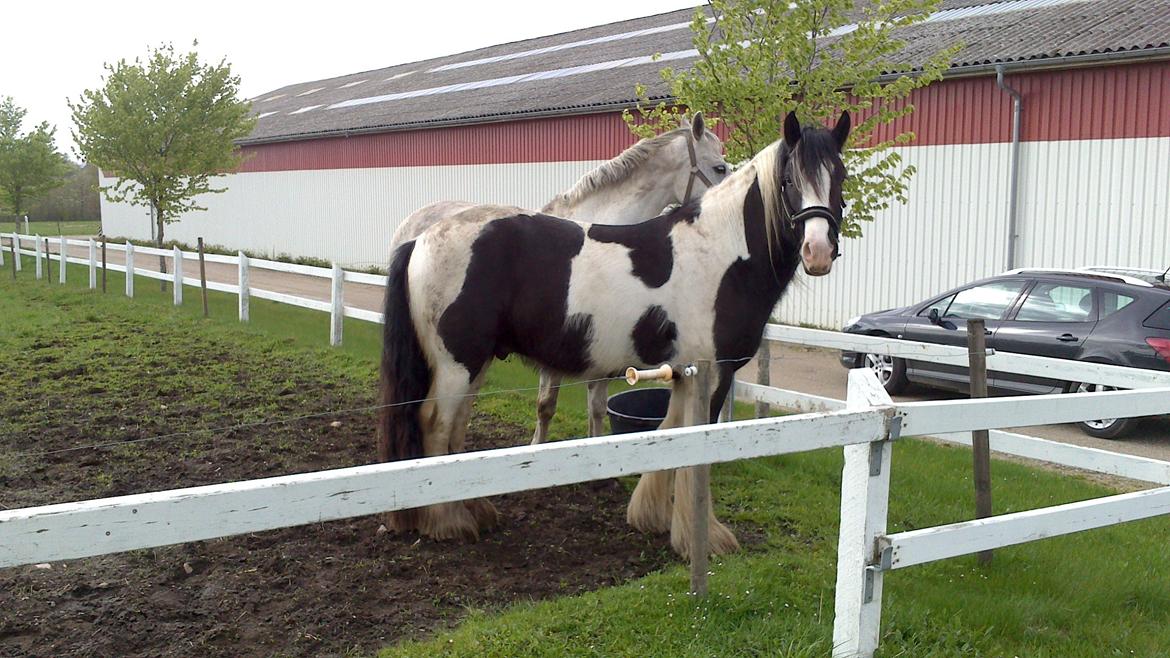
pixel 817 248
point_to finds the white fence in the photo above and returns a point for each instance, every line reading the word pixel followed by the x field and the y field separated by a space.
pixel 42 250
pixel 866 426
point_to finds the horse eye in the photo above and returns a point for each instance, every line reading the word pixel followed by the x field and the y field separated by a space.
pixel 721 169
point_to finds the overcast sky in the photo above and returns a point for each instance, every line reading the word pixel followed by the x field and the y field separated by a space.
pixel 52 50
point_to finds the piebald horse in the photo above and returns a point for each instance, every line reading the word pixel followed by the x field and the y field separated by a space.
pixel 672 168
pixel 591 299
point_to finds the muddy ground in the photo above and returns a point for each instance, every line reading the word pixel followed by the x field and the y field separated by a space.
pixel 339 588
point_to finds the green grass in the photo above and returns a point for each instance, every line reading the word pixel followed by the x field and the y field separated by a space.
pixel 1101 593
pixel 52 229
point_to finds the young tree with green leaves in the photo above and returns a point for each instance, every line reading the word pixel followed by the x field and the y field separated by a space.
pixel 759 59
pixel 165 128
pixel 30 165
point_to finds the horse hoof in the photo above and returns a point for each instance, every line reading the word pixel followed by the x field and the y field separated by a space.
pixel 720 541
pixel 406 520
pixel 449 521
pixel 484 512
pixel 651 521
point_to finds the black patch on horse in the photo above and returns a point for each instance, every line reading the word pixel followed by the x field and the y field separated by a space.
pixel 651 249
pixel 751 287
pixel 515 297
pixel 654 336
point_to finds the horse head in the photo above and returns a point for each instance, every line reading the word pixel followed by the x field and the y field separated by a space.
pixel 699 158
pixel 807 204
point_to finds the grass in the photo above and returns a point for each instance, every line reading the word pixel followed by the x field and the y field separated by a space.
pixel 1101 593
pixel 52 229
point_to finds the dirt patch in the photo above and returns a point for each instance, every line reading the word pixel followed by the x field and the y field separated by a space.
pixel 338 588
pixel 328 589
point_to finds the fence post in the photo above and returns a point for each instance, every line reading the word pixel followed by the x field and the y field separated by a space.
pixel 103 263
pixel 865 499
pixel 243 260
pixel 980 448
pixel 92 264
pixel 129 269
pixel 1 253
pixel 16 264
pixel 764 375
pixel 61 249
pixel 337 308
pixel 37 247
pixel 178 276
pixel 202 278
pixel 701 485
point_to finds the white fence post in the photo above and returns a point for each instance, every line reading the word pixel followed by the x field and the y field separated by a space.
pixel 337 308
pixel 92 264
pixel 865 499
pixel 16 254
pixel 178 274
pixel 2 251
pixel 243 287
pixel 37 247
pixel 61 249
pixel 129 269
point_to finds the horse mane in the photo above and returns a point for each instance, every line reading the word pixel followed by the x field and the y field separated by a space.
pixel 614 171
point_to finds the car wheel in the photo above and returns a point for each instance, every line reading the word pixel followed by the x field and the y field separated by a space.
pixel 1104 428
pixel 890 371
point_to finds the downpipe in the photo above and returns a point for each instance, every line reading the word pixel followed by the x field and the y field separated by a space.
pixel 1013 190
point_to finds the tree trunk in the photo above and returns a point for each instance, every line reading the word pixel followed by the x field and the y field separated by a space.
pixel 162 261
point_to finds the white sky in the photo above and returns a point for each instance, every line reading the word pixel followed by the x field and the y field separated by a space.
pixel 53 50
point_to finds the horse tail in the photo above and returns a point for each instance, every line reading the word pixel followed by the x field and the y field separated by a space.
pixel 406 376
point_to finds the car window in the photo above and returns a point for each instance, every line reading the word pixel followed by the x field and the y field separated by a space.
pixel 1112 302
pixel 986 302
pixel 941 305
pixel 1056 302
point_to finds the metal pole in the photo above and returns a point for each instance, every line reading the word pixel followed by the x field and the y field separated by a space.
pixel 177 256
pixel 337 306
pixel 981 449
pixel 1013 190
pixel 764 375
pixel 701 491
pixel 61 253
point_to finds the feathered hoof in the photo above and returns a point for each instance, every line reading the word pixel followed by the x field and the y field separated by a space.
pixel 406 520
pixel 650 507
pixel 485 513
pixel 720 540
pixel 449 521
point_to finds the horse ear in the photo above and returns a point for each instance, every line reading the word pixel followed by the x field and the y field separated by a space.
pixel 791 130
pixel 841 130
pixel 698 126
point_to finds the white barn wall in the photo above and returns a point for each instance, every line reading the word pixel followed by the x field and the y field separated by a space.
pixel 343 215
pixel 1081 202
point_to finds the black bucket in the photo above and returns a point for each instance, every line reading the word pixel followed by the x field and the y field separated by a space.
pixel 637 410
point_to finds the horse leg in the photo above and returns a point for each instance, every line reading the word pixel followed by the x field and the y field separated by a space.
pixel 720 540
pixel 486 516
pixel 546 404
pixel 439 416
pixel 597 395
pixel 650 507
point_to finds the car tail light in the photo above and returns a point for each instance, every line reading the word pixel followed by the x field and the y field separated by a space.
pixel 1161 346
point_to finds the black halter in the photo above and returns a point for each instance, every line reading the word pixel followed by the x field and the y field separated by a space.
pixel 808 213
pixel 696 172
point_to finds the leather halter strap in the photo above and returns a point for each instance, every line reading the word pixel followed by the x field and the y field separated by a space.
pixel 695 171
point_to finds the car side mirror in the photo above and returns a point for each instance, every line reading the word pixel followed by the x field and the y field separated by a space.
pixel 934 317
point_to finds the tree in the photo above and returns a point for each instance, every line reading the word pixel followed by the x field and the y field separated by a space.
pixel 77 199
pixel 30 164
pixel 759 59
pixel 165 128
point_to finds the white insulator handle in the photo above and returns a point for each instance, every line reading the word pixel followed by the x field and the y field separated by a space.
pixel 663 372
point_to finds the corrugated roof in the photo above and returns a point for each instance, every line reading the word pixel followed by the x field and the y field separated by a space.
pixel 597 67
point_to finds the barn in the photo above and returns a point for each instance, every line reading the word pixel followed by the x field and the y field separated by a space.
pixel 1082 178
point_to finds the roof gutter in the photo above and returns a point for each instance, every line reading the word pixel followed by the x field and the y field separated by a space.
pixel 1013 190
pixel 1019 66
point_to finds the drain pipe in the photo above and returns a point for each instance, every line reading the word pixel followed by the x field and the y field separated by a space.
pixel 1013 193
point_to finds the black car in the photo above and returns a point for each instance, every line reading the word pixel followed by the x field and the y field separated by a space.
pixel 1100 315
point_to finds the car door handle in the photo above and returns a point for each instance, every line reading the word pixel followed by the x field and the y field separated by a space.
pixel 1067 338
